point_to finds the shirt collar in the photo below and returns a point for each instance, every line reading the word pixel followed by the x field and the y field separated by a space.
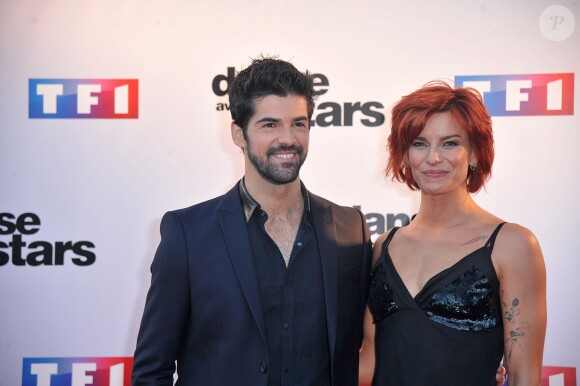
pixel 250 205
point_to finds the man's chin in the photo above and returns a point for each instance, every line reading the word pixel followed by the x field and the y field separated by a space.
pixel 282 181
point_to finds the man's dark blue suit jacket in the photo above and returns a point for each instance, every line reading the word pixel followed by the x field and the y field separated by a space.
pixel 204 308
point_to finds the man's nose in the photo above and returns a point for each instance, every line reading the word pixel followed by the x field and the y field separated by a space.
pixel 286 136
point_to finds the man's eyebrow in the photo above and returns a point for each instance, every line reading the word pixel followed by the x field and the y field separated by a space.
pixel 275 120
pixel 268 119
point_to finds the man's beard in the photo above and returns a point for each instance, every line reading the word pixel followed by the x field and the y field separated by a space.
pixel 278 173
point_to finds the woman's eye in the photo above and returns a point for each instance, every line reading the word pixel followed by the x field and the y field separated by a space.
pixel 418 144
pixel 451 144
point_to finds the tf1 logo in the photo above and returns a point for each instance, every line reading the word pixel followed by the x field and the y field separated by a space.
pixel 83 98
pixel 558 376
pixel 533 94
pixel 77 371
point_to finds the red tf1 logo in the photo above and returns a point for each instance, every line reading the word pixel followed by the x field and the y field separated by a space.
pixel 530 94
pixel 558 376
pixel 83 98
pixel 77 371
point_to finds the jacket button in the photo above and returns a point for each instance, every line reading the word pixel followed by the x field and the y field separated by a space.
pixel 263 367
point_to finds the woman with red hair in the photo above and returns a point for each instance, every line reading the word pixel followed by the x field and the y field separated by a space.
pixel 458 288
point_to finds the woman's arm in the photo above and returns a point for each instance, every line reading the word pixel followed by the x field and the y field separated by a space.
pixel 367 352
pixel 522 274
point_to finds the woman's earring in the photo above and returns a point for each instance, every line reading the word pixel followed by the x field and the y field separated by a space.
pixel 472 167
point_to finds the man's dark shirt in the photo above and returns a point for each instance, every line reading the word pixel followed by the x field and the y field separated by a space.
pixel 292 300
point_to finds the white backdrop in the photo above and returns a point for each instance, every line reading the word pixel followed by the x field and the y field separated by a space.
pixel 108 181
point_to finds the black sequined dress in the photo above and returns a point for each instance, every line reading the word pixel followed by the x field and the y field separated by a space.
pixel 451 333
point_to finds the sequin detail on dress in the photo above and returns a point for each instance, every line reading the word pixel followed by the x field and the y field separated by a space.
pixel 381 303
pixel 468 303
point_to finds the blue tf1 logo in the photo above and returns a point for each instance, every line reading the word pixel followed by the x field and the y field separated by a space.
pixel 77 371
pixel 83 98
pixel 531 94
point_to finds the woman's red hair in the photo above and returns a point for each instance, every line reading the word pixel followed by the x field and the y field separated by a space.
pixel 411 113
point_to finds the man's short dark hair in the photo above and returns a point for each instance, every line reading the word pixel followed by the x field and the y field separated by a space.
pixel 264 77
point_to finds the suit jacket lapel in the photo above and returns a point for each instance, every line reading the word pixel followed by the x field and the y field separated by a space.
pixel 235 233
pixel 326 234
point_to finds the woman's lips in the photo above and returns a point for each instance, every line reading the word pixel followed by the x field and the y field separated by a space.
pixel 435 173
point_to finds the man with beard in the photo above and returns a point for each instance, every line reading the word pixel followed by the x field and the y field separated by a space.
pixel 265 285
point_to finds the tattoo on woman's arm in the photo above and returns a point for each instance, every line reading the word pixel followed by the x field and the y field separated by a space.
pixel 516 328
pixel 510 312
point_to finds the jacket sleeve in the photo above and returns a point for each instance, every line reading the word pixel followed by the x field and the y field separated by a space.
pixel 167 309
pixel 366 268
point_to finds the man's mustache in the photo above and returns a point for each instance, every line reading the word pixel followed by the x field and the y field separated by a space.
pixel 298 149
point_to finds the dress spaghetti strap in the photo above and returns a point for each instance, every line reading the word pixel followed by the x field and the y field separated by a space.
pixel 389 237
pixel 491 240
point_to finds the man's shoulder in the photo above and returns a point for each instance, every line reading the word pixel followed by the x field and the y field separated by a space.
pixel 347 219
pixel 321 202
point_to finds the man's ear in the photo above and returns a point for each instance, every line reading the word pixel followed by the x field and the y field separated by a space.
pixel 238 136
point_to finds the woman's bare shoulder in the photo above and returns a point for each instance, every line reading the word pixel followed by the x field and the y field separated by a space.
pixel 517 248
pixel 516 237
